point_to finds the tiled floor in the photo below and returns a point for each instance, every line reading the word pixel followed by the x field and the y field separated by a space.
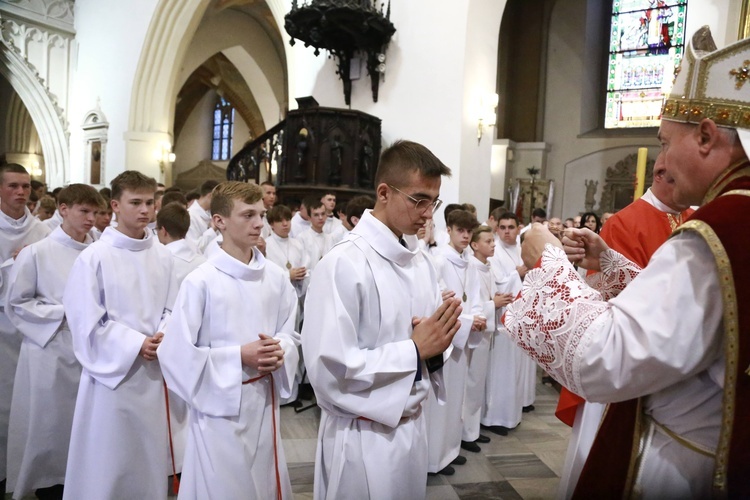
pixel 525 464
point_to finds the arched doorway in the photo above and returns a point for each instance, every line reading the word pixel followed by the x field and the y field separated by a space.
pixel 178 44
pixel 48 123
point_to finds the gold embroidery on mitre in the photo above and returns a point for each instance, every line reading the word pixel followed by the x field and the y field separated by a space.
pixel 741 74
pixel 723 112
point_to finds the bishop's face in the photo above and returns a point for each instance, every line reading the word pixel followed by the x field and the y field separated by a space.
pixel 683 165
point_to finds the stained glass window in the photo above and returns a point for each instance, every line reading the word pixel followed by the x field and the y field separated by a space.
pixel 222 132
pixel 645 47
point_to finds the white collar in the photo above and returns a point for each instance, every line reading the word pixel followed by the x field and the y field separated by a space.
pixel 650 198
pixel 252 271
pixel 382 239
pixel 119 240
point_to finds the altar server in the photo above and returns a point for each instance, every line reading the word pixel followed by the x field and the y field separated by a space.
pixel 48 373
pixel 230 351
pixel 18 228
pixel 373 316
pixel 117 299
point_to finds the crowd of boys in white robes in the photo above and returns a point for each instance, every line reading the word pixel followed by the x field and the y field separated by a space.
pixel 120 307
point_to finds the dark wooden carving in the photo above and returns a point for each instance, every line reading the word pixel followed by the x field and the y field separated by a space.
pixel 317 149
pixel 329 149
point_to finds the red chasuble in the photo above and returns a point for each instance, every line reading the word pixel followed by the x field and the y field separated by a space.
pixel 608 472
pixel 636 231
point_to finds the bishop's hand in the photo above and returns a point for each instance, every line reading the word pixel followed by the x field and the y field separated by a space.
pixel 584 247
pixel 533 243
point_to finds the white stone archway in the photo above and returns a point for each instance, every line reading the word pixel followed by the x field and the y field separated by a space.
pixel 170 33
pixel 44 112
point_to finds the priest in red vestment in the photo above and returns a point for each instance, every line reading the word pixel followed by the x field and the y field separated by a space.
pixel 670 349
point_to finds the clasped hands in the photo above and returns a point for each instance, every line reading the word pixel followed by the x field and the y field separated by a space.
pixel 582 246
pixel 433 335
pixel 264 354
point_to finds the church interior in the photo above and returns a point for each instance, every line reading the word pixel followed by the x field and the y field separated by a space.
pixel 515 96
pixel 496 89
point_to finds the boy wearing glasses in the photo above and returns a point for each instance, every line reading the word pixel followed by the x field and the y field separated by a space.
pixel 374 318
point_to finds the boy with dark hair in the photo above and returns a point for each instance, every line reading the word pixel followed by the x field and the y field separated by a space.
pixel 117 299
pixel 200 215
pixel 46 208
pixel 232 331
pixel 483 246
pixel 56 218
pixel 333 226
pixel 38 188
pixel 48 373
pixel 102 220
pixel 356 207
pixel 340 212
pixel 18 228
pixel 457 279
pixel 172 224
pixel 374 318
pixel 301 220
pixel 191 197
pixel 174 196
pixel 287 252
pixel 315 240
pixel 31 203
pixel 509 367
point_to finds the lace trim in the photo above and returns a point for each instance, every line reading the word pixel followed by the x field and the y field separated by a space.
pixel 617 272
pixel 552 318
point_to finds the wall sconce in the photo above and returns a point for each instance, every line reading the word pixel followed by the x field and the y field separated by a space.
pixel 487 113
pixel 164 155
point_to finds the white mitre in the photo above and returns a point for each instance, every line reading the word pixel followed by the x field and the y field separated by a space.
pixel 713 84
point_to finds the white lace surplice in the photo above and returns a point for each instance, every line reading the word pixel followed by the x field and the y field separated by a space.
pixel 661 339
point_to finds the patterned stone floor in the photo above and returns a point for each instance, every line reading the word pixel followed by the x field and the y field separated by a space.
pixel 525 464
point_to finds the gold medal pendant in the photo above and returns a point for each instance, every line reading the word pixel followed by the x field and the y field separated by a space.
pixel 463 297
pixel 288 265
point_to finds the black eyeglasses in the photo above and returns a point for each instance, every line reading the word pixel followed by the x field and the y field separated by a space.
pixel 421 205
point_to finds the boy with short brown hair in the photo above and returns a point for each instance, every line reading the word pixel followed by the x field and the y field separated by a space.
pixel 117 299
pixel 230 351
pixel 48 373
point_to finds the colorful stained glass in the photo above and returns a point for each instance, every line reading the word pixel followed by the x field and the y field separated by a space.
pixel 645 48
pixel 223 125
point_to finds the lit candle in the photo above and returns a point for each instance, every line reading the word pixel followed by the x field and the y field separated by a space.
pixel 640 173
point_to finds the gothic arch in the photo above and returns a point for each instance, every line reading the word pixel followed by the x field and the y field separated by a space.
pixel 155 86
pixel 43 110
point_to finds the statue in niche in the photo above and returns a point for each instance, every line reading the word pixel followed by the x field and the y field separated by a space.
pixel 337 160
pixel 589 201
pixel 365 178
pixel 301 153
